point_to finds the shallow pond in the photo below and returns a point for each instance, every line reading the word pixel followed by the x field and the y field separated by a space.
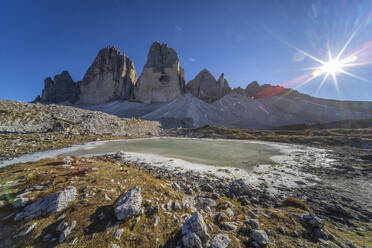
pixel 210 152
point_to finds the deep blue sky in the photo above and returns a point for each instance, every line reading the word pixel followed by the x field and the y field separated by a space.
pixel 244 39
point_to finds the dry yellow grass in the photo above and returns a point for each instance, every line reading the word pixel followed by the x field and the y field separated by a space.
pixel 106 179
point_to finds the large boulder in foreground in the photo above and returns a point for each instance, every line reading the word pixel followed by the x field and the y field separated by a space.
pixel 205 86
pixel 162 78
pixel 49 204
pixel 111 77
pixel 130 205
pixel 195 232
pixel 60 89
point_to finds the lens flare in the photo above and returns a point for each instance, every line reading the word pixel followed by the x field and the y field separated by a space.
pixel 333 66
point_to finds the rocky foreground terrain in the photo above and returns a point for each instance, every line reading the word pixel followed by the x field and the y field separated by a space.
pixel 107 201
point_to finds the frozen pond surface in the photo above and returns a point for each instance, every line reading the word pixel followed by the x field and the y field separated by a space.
pixel 224 153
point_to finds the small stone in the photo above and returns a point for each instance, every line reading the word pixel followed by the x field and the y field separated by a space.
pixel 253 223
pixel 282 230
pixel 220 218
pixel 313 220
pixel 107 198
pixel 251 214
pixel 260 237
pixel 66 232
pixel 154 209
pixel 229 226
pixel 230 212
pixel 191 240
pixel 156 220
pixel 26 231
pixel 176 206
pixel 118 233
pixel 62 216
pixel 62 226
pixel 74 241
pixel 220 241
pixel 176 186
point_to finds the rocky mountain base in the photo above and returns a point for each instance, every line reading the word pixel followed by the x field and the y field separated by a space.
pixel 104 202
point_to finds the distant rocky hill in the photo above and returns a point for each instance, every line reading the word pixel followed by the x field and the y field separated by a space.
pixel 204 86
pixel 160 93
pixel 18 117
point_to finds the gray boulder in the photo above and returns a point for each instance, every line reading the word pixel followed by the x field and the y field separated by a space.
pixel 111 77
pixel 49 204
pixel 220 241
pixel 191 240
pixel 60 89
pixel 260 237
pixel 207 88
pixel 194 230
pixel 66 232
pixel 130 205
pixel 162 78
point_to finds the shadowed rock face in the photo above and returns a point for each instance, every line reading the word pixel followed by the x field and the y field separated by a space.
pixel 254 90
pixel 207 88
pixel 111 77
pixel 162 78
pixel 61 89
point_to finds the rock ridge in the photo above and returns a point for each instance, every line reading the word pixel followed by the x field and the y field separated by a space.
pixel 205 86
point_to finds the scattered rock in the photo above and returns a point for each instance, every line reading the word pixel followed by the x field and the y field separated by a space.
pixel 66 232
pixel 74 241
pixel 260 237
pixel 107 198
pixel 26 231
pixel 156 220
pixel 220 217
pixel 253 223
pixel 49 204
pixel 230 212
pixel 282 230
pixel 130 205
pixel 194 231
pixel 229 226
pixel 220 241
pixel 191 240
pixel 118 233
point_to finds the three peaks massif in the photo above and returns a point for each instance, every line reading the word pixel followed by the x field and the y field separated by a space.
pixel 110 85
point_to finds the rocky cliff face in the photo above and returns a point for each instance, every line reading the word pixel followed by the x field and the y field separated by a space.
pixel 206 87
pixel 111 77
pixel 162 78
pixel 254 90
pixel 61 89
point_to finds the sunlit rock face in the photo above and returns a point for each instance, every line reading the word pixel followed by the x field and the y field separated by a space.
pixel 162 78
pixel 111 77
pixel 206 87
pixel 61 89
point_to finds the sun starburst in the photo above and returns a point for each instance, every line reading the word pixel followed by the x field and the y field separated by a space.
pixel 333 66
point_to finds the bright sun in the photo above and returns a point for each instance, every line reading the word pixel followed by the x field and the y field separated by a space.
pixel 335 66
pixel 332 67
